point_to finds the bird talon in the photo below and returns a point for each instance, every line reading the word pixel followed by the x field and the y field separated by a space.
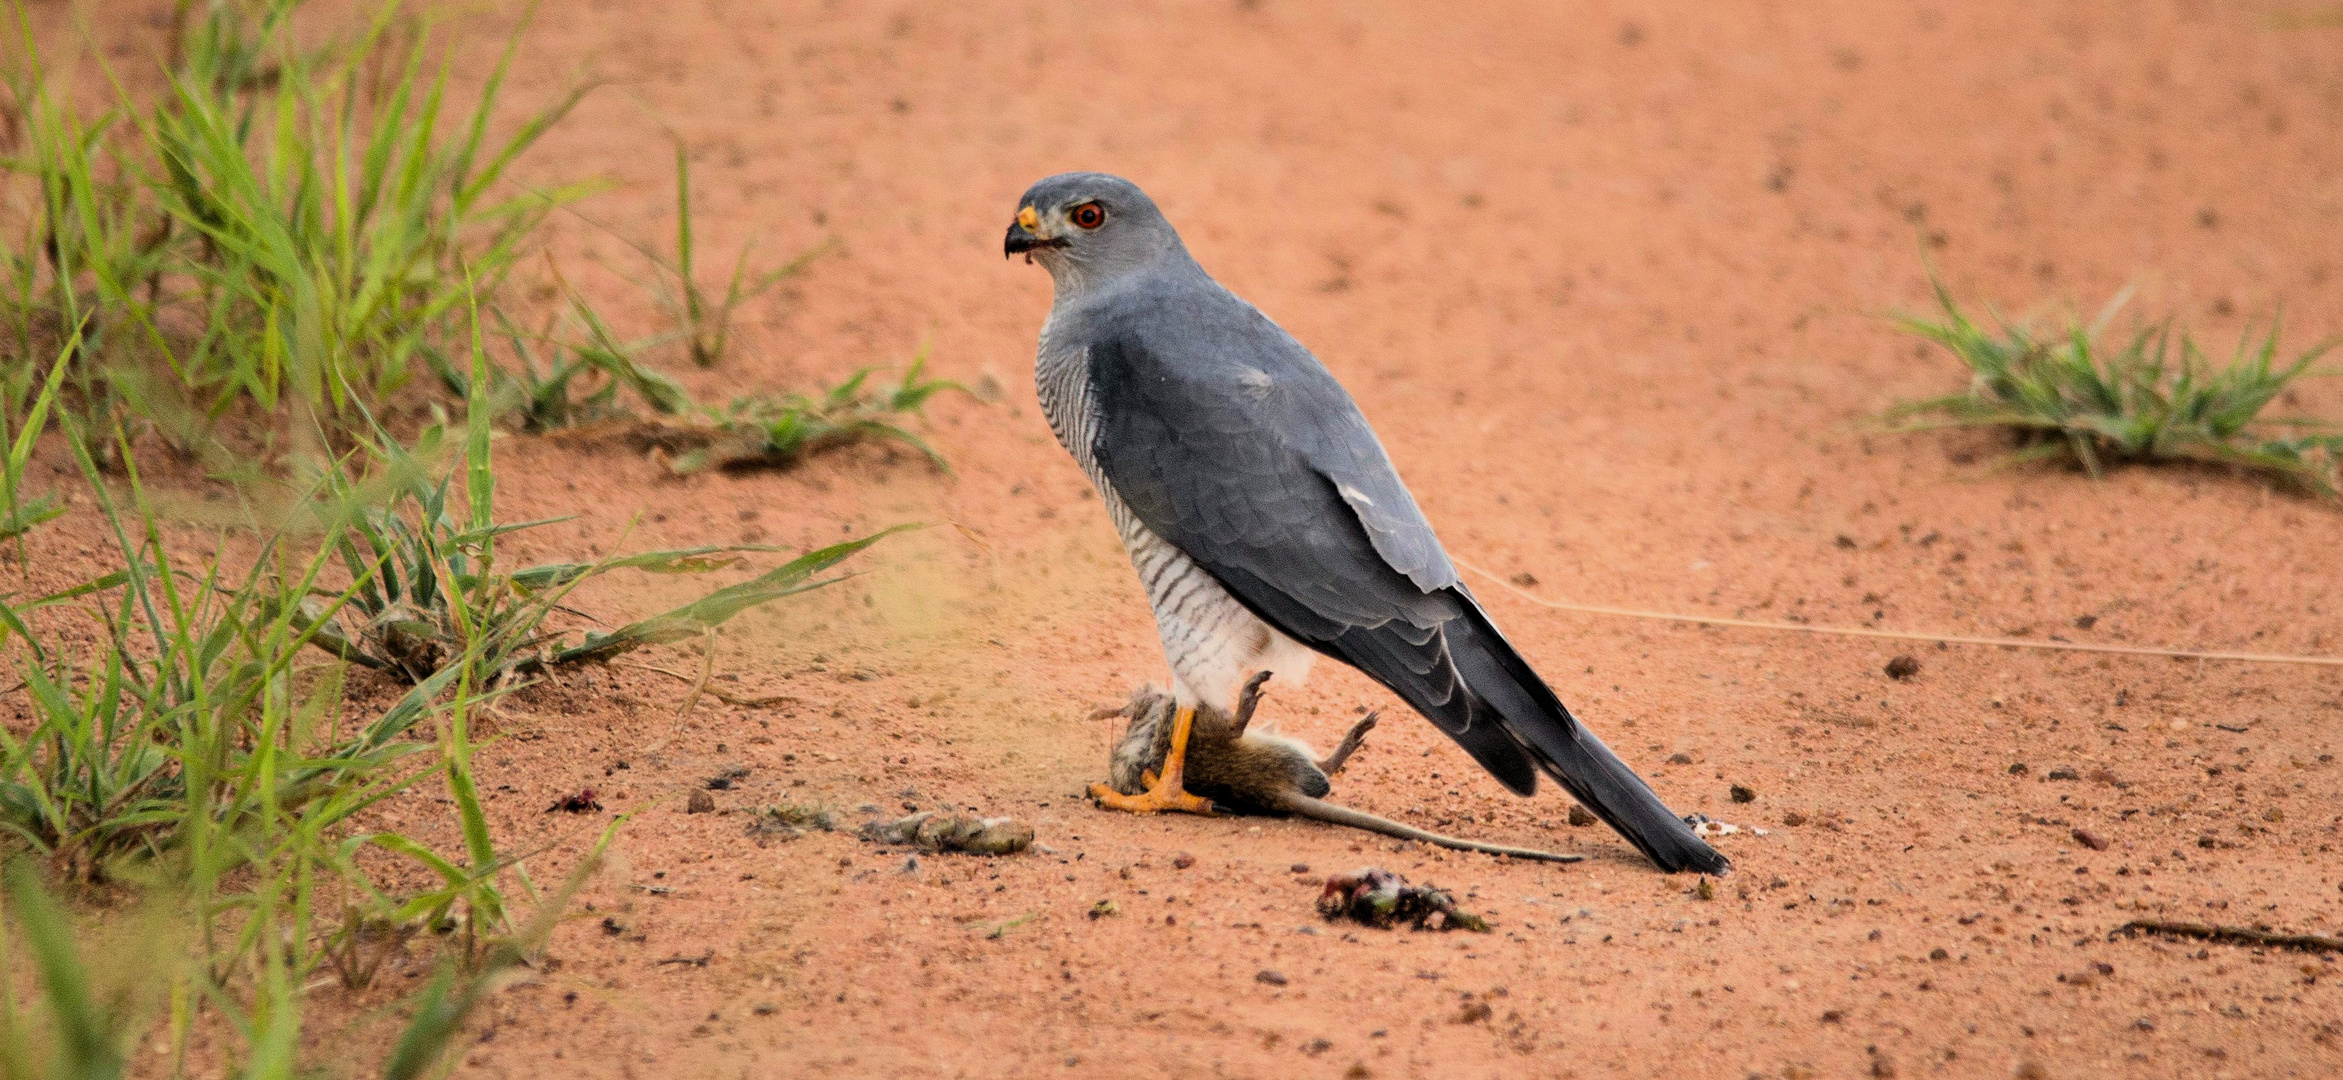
pixel 1164 792
pixel 1157 799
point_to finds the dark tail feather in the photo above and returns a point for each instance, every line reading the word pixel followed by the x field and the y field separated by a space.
pixel 1423 677
pixel 1504 685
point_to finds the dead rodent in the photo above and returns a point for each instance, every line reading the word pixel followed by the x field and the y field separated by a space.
pixel 1257 772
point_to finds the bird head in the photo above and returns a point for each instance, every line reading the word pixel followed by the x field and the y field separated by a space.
pixel 1088 226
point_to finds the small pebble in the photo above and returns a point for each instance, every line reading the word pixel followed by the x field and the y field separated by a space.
pixel 1301 868
pixel 1270 977
pixel 2090 839
pixel 1741 793
pixel 700 802
pixel 1183 860
pixel 1903 667
pixel 1580 817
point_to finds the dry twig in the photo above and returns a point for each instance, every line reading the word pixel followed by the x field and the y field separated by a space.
pixel 2229 935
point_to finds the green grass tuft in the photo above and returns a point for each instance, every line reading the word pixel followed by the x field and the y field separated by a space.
pixel 705 321
pixel 292 233
pixel 766 432
pixel 289 232
pixel 2078 395
pixel 427 592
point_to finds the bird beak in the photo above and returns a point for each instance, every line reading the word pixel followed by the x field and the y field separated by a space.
pixel 1025 235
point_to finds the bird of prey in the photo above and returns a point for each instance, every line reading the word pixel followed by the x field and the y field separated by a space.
pixel 1264 518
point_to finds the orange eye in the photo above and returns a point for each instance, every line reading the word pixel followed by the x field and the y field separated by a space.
pixel 1089 215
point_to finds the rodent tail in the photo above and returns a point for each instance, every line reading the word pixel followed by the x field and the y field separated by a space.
pixel 1332 814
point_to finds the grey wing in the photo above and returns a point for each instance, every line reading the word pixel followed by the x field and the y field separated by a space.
pixel 1229 441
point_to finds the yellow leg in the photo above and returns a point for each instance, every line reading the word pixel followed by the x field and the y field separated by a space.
pixel 1163 792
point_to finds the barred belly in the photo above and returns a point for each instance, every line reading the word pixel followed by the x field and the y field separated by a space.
pixel 1213 642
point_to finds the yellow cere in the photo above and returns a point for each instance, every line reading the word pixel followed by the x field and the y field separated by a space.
pixel 1028 218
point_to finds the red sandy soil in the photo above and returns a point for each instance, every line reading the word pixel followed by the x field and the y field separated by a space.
pixel 1607 279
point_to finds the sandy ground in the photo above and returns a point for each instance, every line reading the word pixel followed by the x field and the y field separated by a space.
pixel 1607 279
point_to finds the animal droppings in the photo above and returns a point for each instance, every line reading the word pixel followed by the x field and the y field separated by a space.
pixel 932 831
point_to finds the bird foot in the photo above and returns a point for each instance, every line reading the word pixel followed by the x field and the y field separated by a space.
pixel 1165 792
pixel 1159 798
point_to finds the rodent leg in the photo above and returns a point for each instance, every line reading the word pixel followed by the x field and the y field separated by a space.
pixel 1350 744
pixel 1248 699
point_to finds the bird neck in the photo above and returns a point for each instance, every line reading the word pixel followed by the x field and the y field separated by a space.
pixel 1078 278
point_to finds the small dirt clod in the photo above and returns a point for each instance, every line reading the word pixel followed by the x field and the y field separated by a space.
pixel 700 802
pixel 1580 817
pixel 1742 793
pixel 1903 667
pixel 2090 839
